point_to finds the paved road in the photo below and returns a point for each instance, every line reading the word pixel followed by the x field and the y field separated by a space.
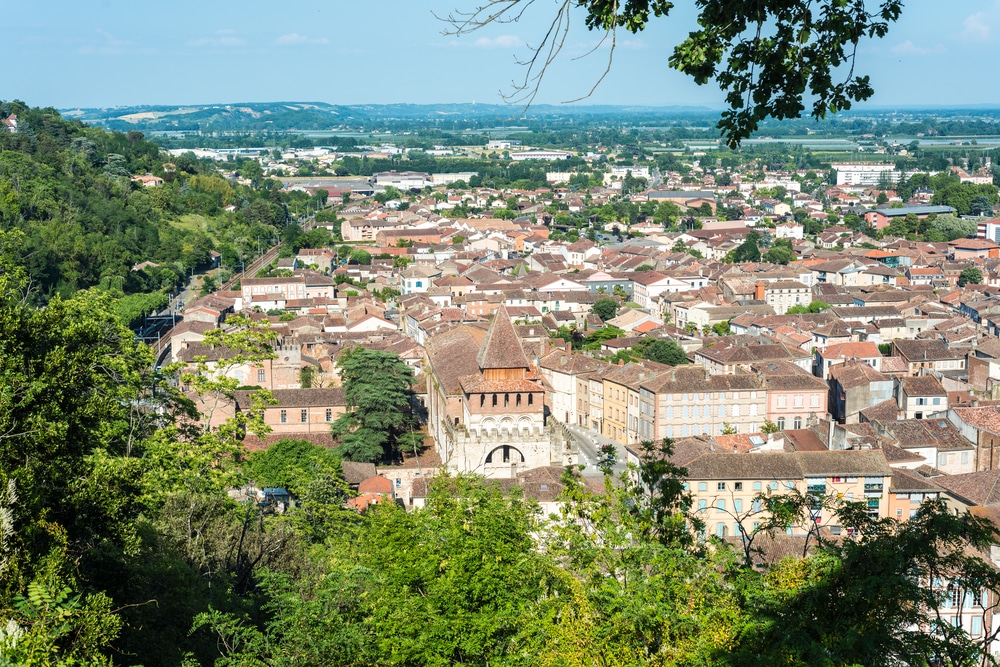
pixel 589 443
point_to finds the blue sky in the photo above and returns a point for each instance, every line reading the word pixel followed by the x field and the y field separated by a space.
pixel 113 53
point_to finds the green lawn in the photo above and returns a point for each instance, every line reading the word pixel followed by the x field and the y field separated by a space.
pixel 191 222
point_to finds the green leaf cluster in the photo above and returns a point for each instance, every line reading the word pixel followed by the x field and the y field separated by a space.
pixel 378 390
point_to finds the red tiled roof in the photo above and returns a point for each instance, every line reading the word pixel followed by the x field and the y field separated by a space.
pixel 377 484
pixel 501 348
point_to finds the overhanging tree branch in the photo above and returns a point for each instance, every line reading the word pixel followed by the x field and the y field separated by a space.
pixel 770 57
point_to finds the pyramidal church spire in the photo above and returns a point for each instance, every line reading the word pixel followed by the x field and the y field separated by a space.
pixel 502 348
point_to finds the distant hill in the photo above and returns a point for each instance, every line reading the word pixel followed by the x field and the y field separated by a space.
pixel 318 116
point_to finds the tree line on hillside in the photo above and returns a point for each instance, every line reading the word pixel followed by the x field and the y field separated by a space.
pixel 68 187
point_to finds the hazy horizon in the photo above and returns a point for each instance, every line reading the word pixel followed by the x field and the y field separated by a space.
pixel 393 52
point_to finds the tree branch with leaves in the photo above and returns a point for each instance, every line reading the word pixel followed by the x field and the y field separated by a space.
pixel 771 58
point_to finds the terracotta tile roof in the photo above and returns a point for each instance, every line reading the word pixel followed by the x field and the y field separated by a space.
pixel 924 350
pixel 501 347
pixel 688 379
pixel 923 385
pixel 895 454
pixel 253 443
pixel 736 442
pixel 375 484
pixel 975 488
pixel 452 356
pixel 571 364
pixel 904 481
pixel 193 326
pixel 356 472
pixel 803 440
pixel 737 353
pixel 318 397
pixel 882 412
pixel 855 374
pixel 765 466
pixel 787 465
pixel 785 375
pixel 863 350
pixel 894 365
pixel 211 353
pixel 844 463
pixel 938 433
pixel 771 548
pixel 985 418
pixel 475 384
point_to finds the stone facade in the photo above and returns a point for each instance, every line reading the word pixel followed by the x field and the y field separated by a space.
pixel 486 404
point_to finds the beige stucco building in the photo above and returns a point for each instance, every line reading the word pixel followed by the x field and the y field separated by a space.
pixel 687 400
pixel 726 488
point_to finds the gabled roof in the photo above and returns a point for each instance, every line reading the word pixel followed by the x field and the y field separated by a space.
pixel 924 350
pixel 855 374
pixel 862 350
pixel 975 488
pixel 923 385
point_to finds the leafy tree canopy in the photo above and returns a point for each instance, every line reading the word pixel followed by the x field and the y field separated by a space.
pixel 971 275
pixel 748 251
pixel 605 308
pixel 813 307
pixel 359 256
pixel 292 464
pixel 769 59
pixel 663 351
pixel 378 390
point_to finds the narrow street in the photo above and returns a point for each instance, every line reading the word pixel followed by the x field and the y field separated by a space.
pixel 589 443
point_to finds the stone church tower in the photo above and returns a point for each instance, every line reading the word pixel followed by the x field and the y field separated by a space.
pixel 492 422
pixel 501 397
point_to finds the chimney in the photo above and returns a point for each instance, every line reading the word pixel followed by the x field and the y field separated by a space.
pixel 736 450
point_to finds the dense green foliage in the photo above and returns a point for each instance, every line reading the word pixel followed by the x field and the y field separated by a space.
pixel 378 390
pixel 813 307
pixel 662 351
pixel 971 275
pixel 121 544
pixel 748 251
pixel 292 464
pixel 605 308
pixel 69 188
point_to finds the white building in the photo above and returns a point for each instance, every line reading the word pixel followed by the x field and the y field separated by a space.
pixel 446 179
pixel 989 229
pixel 502 144
pixel 540 155
pixel 865 174
pixel 789 230
pixel 403 180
